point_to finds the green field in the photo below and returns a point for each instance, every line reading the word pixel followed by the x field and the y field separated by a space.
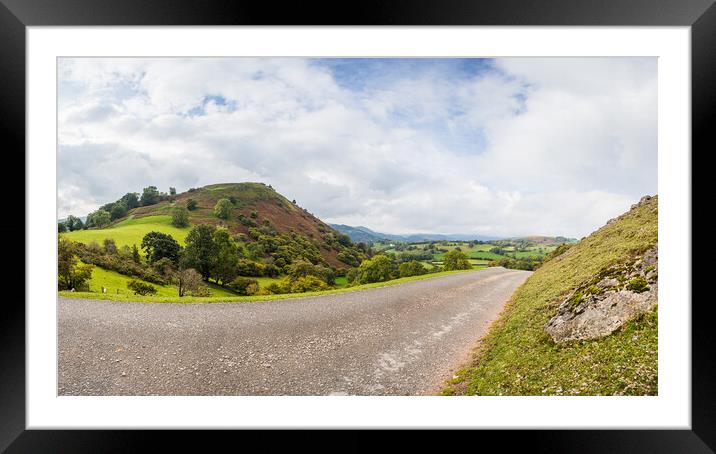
pixel 130 231
pixel 518 358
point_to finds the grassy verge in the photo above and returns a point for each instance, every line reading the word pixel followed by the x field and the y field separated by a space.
pixel 187 299
pixel 517 357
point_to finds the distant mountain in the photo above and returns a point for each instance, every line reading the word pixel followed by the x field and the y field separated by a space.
pixel 82 218
pixel 360 234
pixel 364 234
pixel 547 240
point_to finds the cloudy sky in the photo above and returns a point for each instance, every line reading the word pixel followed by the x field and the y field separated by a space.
pixel 498 147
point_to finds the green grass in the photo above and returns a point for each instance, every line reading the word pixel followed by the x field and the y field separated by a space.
pixel 116 284
pixel 130 231
pixel 518 358
pixel 176 299
pixel 341 281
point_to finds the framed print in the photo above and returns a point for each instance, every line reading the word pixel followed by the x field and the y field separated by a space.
pixel 412 217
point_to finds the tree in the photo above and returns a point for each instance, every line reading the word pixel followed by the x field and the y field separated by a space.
pixel 226 258
pixel 74 223
pixel 344 239
pixel 71 274
pixel 222 209
pixel 180 217
pixel 99 219
pixel 378 269
pixel 172 191
pixel 135 254
pixel 200 250
pixel 456 260
pixel 189 282
pixel 150 196
pixel 130 200
pixel 191 204
pixel 61 227
pixel 158 245
pixel 118 210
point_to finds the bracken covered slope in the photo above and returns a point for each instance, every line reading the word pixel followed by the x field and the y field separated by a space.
pixel 258 198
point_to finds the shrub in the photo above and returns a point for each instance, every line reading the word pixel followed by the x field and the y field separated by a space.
pixel 250 268
pixel 412 268
pixel 244 285
pixel 223 208
pixel 141 288
pixel 307 284
pixel 303 269
pixel 378 269
pixel 456 260
pixel 348 258
pixel 96 255
pixel 180 217
pixel 164 267
pixel 110 247
pixel 191 204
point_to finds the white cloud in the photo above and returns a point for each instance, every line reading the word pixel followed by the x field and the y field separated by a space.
pixel 528 146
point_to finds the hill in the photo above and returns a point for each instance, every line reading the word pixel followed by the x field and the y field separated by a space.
pixel 360 233
pixel 546 240
pixel 364 234
pixel 258 215
pixel 585 323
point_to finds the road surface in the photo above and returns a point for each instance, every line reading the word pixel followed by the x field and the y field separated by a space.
pixel 405 339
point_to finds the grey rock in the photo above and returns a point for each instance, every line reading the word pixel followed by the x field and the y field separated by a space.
pixel 600 317
pixel 600 314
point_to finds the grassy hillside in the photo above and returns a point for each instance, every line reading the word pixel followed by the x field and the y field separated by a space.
pixel 130 231
pixel 518 358
pixel 256 205
pixel 267 229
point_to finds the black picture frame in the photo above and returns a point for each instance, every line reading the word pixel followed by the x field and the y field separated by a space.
pixel 16 15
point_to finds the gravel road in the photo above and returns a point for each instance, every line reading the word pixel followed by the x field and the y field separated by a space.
pixel 400 340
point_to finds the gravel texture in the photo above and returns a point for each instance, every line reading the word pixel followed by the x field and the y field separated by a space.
pixel 405 339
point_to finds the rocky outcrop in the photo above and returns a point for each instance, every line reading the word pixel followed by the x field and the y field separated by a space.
pixel 616 295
